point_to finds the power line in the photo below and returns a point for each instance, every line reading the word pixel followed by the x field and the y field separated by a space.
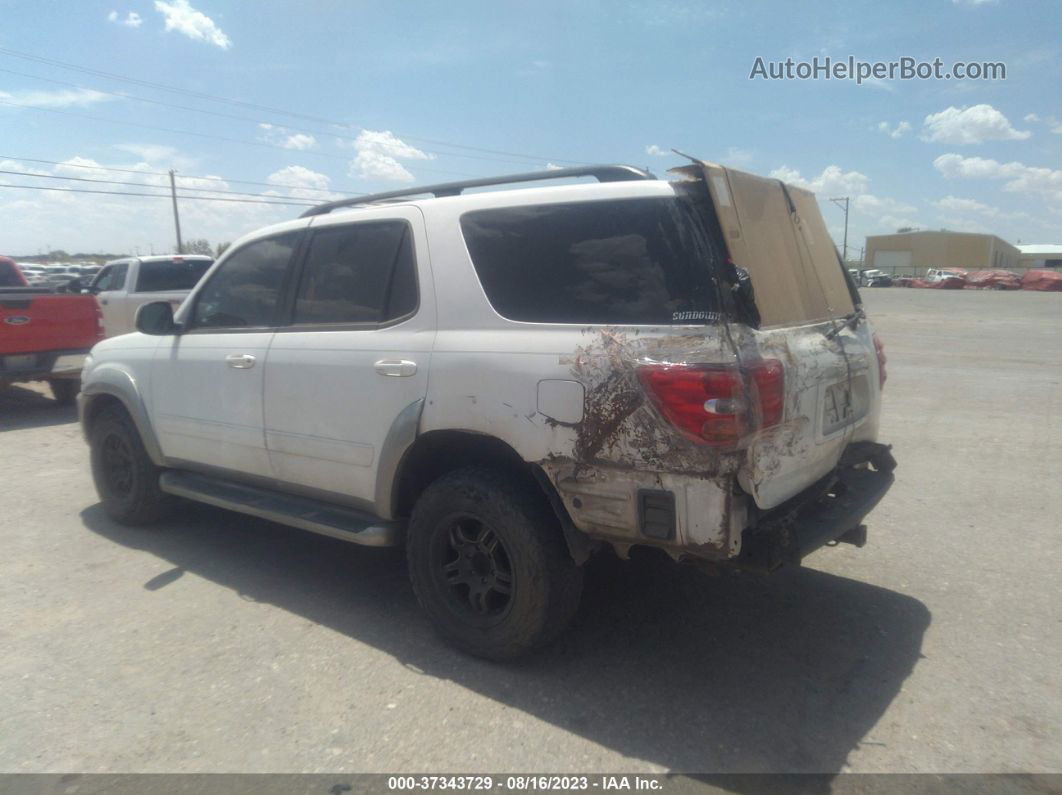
pixel 252 121
pixel 158 195
pixel 265 108
pixel 186 176
pixel 132 184
pixel 204 135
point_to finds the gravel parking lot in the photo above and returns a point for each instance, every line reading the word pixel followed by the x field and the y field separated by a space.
pixel 220 643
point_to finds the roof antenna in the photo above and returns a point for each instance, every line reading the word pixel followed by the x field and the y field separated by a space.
pixel 691 158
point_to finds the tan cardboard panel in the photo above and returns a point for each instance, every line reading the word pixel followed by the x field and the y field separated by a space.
pixel 785 248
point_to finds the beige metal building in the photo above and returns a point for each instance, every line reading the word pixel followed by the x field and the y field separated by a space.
pixel 1041 255
pixel 912 253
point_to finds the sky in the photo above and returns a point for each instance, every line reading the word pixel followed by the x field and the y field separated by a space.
pixel 272 101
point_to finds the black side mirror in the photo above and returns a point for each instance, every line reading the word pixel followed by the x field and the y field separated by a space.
pixel 156 319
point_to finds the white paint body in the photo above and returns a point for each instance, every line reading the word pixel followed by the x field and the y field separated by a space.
pixel 314 410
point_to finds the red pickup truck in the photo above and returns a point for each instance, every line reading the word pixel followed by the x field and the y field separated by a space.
pixel 44 336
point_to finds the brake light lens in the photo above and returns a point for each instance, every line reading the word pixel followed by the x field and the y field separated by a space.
pixel 717 404
pixel 879 349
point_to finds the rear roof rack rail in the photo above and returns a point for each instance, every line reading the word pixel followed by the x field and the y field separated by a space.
pixel 601 173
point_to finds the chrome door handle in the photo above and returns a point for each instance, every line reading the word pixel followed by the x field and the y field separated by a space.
pixel 241 361
pixel 395 367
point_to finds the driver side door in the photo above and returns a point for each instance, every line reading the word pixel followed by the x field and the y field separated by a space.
pixel 207 380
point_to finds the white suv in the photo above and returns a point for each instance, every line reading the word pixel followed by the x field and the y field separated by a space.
pixel 509 382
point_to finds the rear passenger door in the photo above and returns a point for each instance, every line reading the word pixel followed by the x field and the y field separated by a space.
pixel 352 363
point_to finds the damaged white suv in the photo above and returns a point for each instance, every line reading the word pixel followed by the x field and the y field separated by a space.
pixel 509 381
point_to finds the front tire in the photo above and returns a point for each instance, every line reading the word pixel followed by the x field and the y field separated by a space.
pixel 489 564
pixel 126 479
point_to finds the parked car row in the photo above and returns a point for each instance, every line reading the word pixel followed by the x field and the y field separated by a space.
pixel 44 335
pixel 56 275
pixel 50 316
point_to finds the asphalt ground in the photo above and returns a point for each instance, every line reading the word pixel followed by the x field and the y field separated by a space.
pixel 219 643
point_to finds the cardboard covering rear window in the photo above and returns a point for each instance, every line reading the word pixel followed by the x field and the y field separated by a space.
pixel 776 232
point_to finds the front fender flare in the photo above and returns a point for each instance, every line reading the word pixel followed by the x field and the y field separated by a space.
pixel 108 380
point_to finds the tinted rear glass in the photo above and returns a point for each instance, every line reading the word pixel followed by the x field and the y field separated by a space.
pixel 626 262
pixel 156 277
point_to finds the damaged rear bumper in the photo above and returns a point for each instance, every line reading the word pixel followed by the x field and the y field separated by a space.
pixel 828 511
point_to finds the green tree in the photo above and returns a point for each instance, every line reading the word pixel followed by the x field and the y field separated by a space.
pixel 200 246
pixel 222 247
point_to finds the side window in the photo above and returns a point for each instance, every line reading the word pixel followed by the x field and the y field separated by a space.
pixel 361 273
pixel 622 262
pixel 110 278
pixel 244 291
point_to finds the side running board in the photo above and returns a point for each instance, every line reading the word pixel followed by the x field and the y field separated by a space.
pixel 301 512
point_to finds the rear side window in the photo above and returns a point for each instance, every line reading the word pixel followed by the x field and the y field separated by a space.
pixel 243 292
pixel 112 277
pixel 626 262
pixel 361 273
pixel 157 277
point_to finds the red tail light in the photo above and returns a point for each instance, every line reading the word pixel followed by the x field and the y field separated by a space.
pixel 879 349
pixel 715 404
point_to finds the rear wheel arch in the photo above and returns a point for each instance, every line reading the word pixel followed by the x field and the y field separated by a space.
pixel 437 453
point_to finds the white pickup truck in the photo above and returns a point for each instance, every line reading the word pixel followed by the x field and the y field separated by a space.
pixel 122 286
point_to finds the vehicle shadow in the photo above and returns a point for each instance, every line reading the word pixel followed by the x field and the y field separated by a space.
pixel 697 673
pixel 21 407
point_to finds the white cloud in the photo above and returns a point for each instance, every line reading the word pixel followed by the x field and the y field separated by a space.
pixel 132 19
pixel 895 132
pixel 303 183
pixel 833 181
pixel 1031 117
pixel 877 205
pixel 965 205
pixel 972 125
pixel 117 224
pixel 656 151
pixel 181 17
pixel 553 167
pixel 300 141
pixel 298 177
pixel 379 152
pixel 1018 177
pixel 62 98
pixel 374 165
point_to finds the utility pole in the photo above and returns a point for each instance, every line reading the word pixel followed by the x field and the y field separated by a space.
pixel 835 201
pixel 177 217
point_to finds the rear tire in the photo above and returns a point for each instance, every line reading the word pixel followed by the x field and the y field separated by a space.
pixel 489 564
pixel 126 479
pixel 65 390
